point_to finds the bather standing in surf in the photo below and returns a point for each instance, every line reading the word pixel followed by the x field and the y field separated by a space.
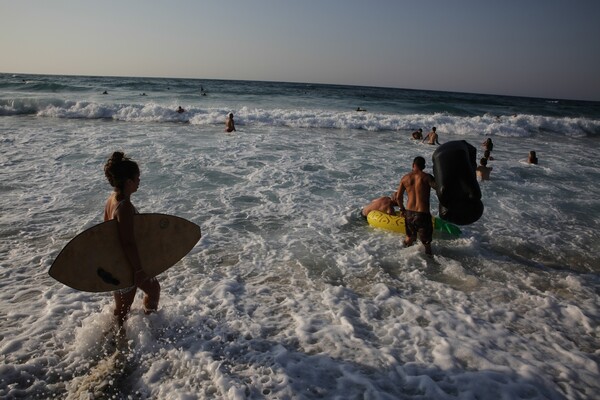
pixel 123 175
pixel 417 185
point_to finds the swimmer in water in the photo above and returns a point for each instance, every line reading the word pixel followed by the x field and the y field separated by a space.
pixel 532 158
pixel 229 123
pixel 432 137
pixel 483 171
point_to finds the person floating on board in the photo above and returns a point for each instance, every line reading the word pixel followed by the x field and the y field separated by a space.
pixel 417 185
pixel 229 123
pixel 483 171
pixel 532 158
pixel 432 137
pixel 123 175
pixel 180 110
pixel 384 204
pixel 418 134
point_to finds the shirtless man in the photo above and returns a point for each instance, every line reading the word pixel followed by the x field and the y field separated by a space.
pixel 418 134
pixel 229 124
pixel 483 171
pixel 432 137
pixel 384 204
pixel 417 185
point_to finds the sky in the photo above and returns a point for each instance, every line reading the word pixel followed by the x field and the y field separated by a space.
pixel 536 48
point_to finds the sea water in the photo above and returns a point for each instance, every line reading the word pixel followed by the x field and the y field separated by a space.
pixel 290 294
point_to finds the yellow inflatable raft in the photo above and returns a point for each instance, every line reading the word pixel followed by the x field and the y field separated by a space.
pixel 395 223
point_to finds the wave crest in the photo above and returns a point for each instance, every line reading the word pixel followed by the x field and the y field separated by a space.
pixel 486 125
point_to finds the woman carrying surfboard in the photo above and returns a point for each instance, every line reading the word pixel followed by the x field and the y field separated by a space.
pixel 123 175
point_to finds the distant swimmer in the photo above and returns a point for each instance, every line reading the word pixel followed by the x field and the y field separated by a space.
pixel 180 110
pixel 360 109
pixel 483 171
pixel 488 145
pixel 142 94
pixel 432 137
pixel 105 92
pixel 532 158
pixel 418 134
pixel 384 204
pixel 229 123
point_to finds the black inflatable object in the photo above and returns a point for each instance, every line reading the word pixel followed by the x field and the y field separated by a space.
pixel 454 165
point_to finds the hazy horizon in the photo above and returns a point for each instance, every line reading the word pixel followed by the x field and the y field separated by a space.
pixel 19 74
pixel 543 49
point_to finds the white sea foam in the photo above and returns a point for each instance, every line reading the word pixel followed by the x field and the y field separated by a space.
pixel 289 294
pixel 487 125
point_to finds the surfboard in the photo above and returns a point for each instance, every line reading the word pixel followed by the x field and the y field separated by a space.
pixel 396 223
pixel 94 261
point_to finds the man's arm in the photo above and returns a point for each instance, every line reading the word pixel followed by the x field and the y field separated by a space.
pixel 432 182
pixel 399 196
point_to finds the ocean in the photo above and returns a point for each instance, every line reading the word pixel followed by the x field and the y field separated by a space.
pixel 289 294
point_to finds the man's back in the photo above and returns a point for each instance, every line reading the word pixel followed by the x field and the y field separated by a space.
pixel 418 186
pixel 432 138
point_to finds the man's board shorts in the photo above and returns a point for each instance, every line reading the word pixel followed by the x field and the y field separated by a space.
pixel 419 223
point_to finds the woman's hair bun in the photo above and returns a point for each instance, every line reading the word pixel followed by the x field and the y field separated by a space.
pixel 117 156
